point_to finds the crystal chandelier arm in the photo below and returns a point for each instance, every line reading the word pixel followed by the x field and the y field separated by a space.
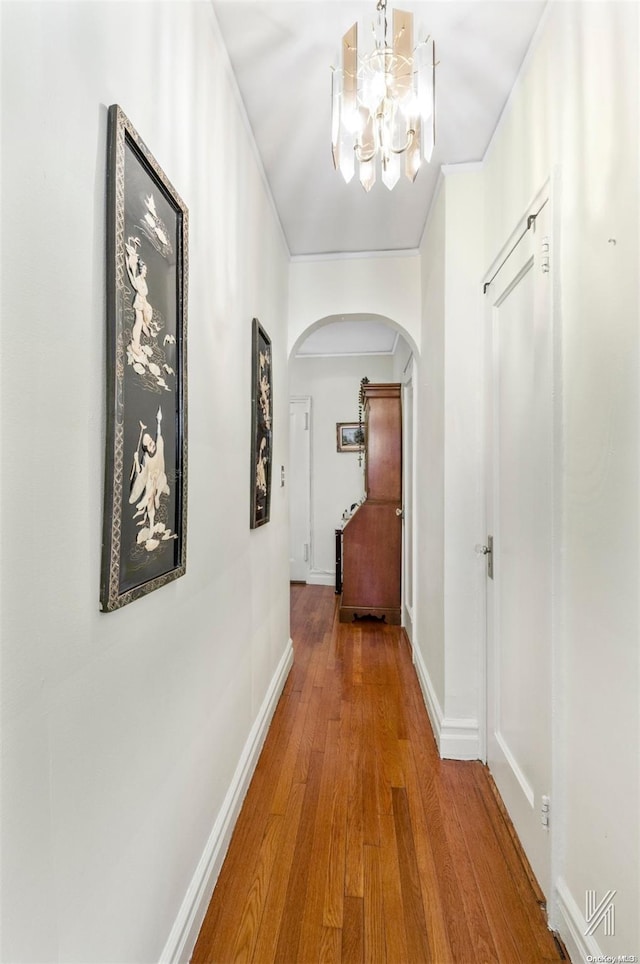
pixel 369 156
pixel 365 146
pixel 400 150
pixel 363 158
pixel 335 120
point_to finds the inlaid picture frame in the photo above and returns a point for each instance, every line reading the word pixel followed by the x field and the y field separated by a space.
pixel 261 425
pixel 144 543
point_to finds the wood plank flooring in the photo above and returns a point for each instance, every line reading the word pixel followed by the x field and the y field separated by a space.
pixel 356 843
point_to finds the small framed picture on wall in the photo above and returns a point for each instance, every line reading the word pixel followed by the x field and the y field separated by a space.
pixel 350 436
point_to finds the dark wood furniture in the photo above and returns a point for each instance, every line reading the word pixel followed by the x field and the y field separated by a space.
pixel 372 538
pixel 338 561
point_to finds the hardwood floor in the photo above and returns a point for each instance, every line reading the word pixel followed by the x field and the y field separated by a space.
pixel 356 843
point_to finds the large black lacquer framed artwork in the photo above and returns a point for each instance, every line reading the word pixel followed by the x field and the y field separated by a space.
pixel 145 504
pixel 261 426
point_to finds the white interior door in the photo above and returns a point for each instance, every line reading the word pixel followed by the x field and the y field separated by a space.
pixel 299 488
pixel 520 519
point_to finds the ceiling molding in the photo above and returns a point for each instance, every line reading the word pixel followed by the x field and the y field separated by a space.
pixel 347 354
pixel 350 337
pixel 353 255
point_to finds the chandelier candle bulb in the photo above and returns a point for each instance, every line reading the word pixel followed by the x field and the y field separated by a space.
pixel 383 103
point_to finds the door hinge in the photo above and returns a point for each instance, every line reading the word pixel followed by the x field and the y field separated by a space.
pixel 306 421
pixel 545 255
pixel 545 811
pixel 306 551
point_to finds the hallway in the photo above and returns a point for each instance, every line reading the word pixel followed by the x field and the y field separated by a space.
pixel 356 842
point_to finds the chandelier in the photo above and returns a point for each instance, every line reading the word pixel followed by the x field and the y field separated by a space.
pixel 383 103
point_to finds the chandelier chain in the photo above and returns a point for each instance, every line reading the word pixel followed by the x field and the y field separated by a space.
pixel 382 8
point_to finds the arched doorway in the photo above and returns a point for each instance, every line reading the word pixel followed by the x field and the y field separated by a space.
pixel 326 364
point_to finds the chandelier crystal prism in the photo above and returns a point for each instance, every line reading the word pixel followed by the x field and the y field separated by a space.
pixel 383 103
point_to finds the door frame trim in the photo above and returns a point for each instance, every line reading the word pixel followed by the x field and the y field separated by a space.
pixel 305 398
pixel 551 189
pixel 409 487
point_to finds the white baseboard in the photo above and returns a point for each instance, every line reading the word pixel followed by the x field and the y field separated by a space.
pixel 572 927
pixel 321 577
pixel 186 928
pixel 460 739
pixel 429 694
pixel 457 739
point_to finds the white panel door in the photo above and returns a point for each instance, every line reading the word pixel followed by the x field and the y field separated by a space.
pixel 520 519
pixel 299 488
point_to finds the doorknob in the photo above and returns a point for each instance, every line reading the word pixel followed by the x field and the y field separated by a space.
pixel 400 512
pixel 485 550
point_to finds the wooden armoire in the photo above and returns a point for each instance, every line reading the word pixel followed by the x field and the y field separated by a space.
pixel 372 538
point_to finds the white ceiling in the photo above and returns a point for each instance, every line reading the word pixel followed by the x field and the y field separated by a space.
pixel 355 335
pixel 281 53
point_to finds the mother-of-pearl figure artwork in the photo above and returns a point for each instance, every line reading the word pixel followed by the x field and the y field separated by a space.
pixel 148 484
pixel 154 227
pixel 265 407
pixel 265 399
pixel 261 425
pixel 145 356
pixel 261 468
pixel 145 493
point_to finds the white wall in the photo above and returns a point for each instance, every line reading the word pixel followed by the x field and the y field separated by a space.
pixel 383 286
pixel 337 480
pixel 573 116
pixel 464 580
pixel 575 112
pixel 122 732
pixel 450 587
pixel 429 460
